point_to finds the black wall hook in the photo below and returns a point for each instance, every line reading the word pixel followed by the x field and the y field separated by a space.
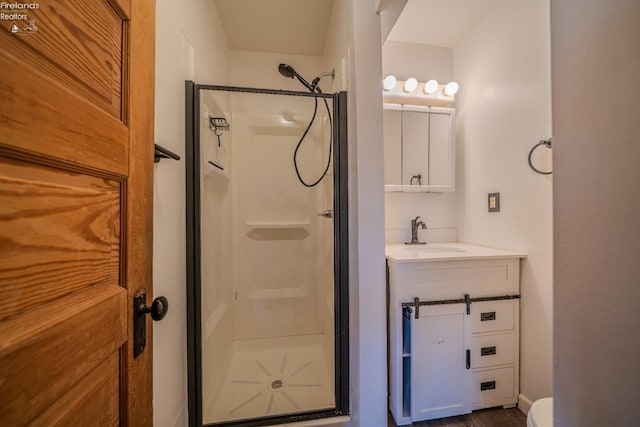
pixel 162 153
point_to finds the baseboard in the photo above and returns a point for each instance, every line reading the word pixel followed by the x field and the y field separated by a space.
pixel 524 403
pixel 324 422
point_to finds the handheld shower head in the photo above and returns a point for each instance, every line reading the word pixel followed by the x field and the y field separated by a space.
pixel 288 71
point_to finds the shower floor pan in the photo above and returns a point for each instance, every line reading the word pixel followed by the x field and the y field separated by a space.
pixel 266 377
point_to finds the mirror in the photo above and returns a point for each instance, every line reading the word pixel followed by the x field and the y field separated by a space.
pixel 392 132
pixel 418 148
pixel 415 148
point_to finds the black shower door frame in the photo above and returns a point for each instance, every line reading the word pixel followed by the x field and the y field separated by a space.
pixel 193 253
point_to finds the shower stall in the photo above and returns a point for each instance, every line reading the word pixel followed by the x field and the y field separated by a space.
pixel 266 254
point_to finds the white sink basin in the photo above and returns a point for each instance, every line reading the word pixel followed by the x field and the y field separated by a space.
pixel 434 249
pixel 445 251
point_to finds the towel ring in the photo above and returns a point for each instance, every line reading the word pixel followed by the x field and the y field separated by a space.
pixel 546 143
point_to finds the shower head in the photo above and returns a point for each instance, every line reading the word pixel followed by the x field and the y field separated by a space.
pixel 288 71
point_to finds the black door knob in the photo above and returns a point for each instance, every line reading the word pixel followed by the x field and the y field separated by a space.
pixel 159 308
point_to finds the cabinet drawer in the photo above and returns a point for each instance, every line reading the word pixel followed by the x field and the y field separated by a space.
pixel 492 350
pixel 492 316
pixel 492 384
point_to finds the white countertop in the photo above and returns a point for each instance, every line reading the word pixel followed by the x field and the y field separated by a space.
pixel 445 252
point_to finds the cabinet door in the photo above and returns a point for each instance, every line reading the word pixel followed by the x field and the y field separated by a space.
pixel 440 381
pixel 392 120
pixel 415 148
pixel 440 161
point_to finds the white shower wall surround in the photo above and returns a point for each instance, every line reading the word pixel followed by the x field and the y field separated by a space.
pixel 265 253
pixel 276 254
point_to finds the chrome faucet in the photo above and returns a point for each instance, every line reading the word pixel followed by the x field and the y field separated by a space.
pixel 414 232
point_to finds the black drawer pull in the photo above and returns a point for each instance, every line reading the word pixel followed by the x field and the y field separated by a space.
pixel 489 385
pixel 488 351
pixel 468 359
pixel 491 315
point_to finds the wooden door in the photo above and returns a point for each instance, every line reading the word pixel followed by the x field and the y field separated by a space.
pixel 76 192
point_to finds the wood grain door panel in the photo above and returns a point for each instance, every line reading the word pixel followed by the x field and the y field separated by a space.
pixel 76 213
pixel 59 232
pixel 94 401
pixel 39 115
pixel 80 44
pixel 46 351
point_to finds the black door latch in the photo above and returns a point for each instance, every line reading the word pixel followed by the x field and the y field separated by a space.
pixel 158 310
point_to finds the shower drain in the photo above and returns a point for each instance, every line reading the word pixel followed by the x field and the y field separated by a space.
pixel 276 384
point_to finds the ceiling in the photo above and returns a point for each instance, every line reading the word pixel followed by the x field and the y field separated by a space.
pixel 441 23
pixel 300 26
pixel 282 26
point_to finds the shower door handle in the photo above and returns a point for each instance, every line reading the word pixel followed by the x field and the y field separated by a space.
pixel 326 214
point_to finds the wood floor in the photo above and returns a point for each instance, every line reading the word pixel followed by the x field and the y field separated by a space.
pixel 494 417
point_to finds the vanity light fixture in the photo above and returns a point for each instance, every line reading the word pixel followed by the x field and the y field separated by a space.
pixel 430 87
pixel 389 82
pixel 451 89
pixel 413 92
pixel 410 85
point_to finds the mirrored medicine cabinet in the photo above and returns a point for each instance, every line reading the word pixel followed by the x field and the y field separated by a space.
pixel 419 148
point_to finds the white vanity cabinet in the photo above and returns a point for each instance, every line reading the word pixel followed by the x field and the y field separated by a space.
pixel 455 357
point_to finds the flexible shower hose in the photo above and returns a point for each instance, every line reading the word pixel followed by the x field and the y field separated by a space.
pixel 306 131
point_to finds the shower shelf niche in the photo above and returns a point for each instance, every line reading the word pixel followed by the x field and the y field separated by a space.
pixel 278 231
pixel 277 225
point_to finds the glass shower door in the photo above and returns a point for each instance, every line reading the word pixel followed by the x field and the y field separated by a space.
pixel 267 260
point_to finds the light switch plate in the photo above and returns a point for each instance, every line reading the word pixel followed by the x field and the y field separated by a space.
pixel 494 202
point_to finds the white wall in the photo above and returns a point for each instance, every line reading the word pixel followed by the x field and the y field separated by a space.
pixel 260 69
pixel 207 63
pixel 503 67
pixel 367 292
pixel 423 62
pixel 338 46
pixel 596 205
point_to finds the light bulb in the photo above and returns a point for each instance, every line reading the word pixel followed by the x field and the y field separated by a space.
pixel 431 86
pixel 451 88
pixel 389 82
pixel 410 85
